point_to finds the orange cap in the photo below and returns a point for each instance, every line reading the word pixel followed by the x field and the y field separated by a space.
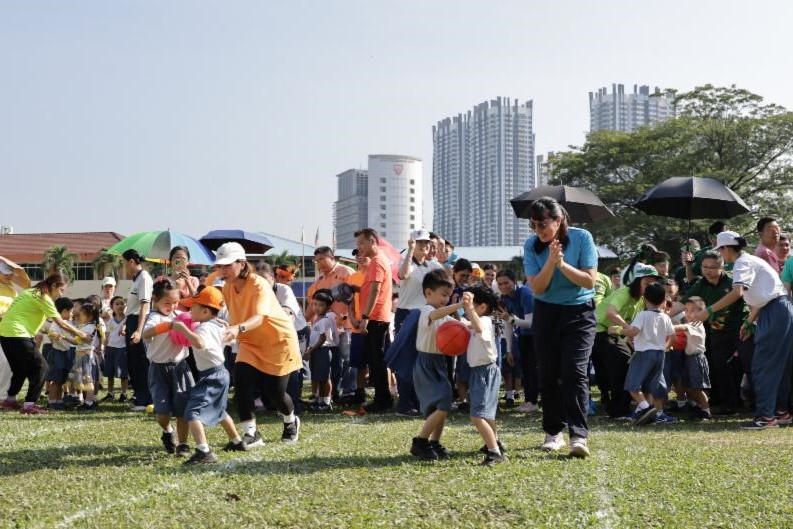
pixel 209 297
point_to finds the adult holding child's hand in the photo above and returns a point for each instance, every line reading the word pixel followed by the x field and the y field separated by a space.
pixel 561 266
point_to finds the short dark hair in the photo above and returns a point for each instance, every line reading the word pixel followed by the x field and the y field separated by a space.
pixel 698 301
pixel 436 279
pixel 712 254
pixel 133 255
pixel 615 272
pixel 324 295
pixel 324 249
pixel 717 227
pixel 462 265
pixel 660 257
pixel 761 224
pixel 449 243
pixel 114 298
pixel 176 249
pixel 63 303
pixel 655 293
pixel 508 273
pixel 489 266
pixel 486 296
pixel 369 233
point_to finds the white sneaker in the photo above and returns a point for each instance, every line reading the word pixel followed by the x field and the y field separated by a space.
pixel 553 443
pixel 528 407
pixel 578 447
pixel 137 408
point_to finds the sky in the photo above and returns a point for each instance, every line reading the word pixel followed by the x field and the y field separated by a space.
pixel 197 115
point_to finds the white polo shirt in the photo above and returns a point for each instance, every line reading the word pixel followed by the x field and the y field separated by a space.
pixel 760 281
pixel 141 291
pixel 411 295
pixel 482 346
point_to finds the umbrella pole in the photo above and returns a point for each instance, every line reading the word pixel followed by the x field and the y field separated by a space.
pixel 688 235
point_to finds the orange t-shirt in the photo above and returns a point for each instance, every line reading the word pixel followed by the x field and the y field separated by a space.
pixel 337 275
pixel 379 271
pixel 356 280
pixel 272 348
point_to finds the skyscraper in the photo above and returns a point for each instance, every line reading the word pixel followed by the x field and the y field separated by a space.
pixel 544 167
pixel 351 211
pixel 395 196
pixel 482 159
pixel 627 112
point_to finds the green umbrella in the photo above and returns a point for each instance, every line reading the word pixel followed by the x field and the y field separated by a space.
pixel 156 246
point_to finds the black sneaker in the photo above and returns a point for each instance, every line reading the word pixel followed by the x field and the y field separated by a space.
pixel 56 406
pixel 760 423
pixel 291 432
pixel 322 407
pixel 253 440
pixel 409 413
pixel 492 458
pixel 123 398
pixel 701 415
pixel 500 445
pixel 359 397
pixel 107 398
pixel 422 449
pixel 510 403
pixel 201 458
pixel 182 450
pixel 235 447
pixel 378 407
pixel 168 442
pixel 94 406
pixel 464 407
pixel 440 450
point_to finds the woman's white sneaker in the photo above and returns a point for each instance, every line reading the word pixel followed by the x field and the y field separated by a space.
pixel 578 447
pixel 553 443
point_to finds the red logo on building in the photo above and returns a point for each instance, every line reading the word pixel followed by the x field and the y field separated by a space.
pixel 398 167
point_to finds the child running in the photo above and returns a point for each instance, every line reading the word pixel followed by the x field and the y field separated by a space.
pixel 115 365
pixel 433 387
pixel 81 376
pixel 206 401
pixel 653 334
pixel 169 375
pixel 485 377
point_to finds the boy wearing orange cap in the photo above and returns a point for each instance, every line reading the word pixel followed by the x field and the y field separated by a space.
pixel 206 401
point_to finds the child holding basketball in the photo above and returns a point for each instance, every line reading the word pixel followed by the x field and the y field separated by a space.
pixel 432 384
pixel 485 375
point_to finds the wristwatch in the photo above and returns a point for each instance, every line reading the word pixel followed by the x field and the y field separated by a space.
pixel 243 329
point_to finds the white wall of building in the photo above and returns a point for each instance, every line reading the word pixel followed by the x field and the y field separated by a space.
pixel 395 195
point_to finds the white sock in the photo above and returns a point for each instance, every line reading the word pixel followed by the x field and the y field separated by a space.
pixel 237 440
pixel 289 419
pixel 681 403
pixel 495 450
pixel 249 427
pixel 706 410
pixel 510 393
pixel 325 400
pixel 169 429
pixel 643 405
pixel 89 402
pixel 203 447
pixel 658 413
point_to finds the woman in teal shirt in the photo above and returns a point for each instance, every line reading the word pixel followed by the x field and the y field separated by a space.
pixel 19 325
pixel 561 267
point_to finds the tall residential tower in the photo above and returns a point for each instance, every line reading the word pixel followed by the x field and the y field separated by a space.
pixel 351 210
pixel 627 112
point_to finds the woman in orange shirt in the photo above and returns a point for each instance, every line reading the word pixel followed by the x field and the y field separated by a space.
pixel 268 346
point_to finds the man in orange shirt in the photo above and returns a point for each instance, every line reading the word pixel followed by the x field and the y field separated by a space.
pixel 376 316
pixel 332 274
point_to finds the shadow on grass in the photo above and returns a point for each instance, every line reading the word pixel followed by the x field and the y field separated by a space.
pixel 83 456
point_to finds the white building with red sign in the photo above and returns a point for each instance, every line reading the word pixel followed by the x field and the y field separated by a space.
pixel 395 196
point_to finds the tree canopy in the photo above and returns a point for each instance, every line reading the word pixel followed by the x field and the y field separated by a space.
pixel 725 133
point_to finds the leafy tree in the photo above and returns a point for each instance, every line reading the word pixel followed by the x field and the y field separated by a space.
pixel 107 264
pixel 516 265
pixel 725 133
pixel 59 259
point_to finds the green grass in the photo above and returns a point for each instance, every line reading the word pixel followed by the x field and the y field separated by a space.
pixel 108 470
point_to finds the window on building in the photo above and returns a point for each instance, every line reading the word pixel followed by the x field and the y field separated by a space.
pixel 412 190
pixel 382 198
pixel 412 217
pixel 412 199
pixel 412 208
pixel 412 182
pixel 382 180
pixel 382 206
pixel 34 271
pixel 382 189
pixel 382 225
pixel 412 226
pixel 382 215
pixel 83 271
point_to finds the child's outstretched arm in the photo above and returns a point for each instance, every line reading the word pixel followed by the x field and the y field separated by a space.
pixel 195 340
pixel 627 330
pixel 446 311
pixel 470 313
pixel 320 343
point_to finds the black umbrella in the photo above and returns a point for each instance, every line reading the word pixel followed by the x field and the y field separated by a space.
pixel 691 197
pixel 253 243
pixel 582 205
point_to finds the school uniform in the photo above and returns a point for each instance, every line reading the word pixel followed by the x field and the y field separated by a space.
pixel 207 400
pixel 169 374
pixel 646 370
pixel 696 371
pixel 430 377
pixel 56 352
pixel 137 360
pixel 81 375
pixel 319 361
pixel 485 377
pixel 115 351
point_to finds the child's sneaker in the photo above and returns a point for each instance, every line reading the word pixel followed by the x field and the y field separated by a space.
pixel 422 449
pixel 56 406
pixel 578 447
pixel 94 406
pixel 701 415
pixel 123 398
pixel 440 450
pixel 291 431
pixel 168 442
pixel 253 440
pixel 201 458
pixel 664 418
pixel 640 417
pixel 492 458
pixel 760 423
pixel 32 410
pixel 107 398
pixel 501 447
pixel 235 447
pixel 322 407
pixel 183 450
pixel 10 405
pixel 553 443
pixel 784 418
pixel 510 403
pixel 528 407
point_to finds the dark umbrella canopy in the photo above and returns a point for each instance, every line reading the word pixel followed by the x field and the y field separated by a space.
pixel 252 242
pixel 691 197
pixel 582 205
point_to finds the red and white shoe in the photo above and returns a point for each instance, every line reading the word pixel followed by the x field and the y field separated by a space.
pixel 9 405
pixel 32 410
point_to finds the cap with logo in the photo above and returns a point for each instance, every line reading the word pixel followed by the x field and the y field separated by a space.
pixel 643 270
pixel 420 235
pixel 228 253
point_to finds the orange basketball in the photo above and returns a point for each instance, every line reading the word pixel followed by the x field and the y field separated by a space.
pixel 452 338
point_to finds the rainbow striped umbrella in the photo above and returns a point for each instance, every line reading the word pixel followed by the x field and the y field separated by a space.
pixel 156 246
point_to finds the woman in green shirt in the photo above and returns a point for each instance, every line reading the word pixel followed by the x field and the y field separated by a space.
pixel 19 325
pixel 611 354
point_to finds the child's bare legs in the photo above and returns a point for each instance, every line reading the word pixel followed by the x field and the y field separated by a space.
pixel 124 385
pixel 700 397
pixel 181 430
pixel 110 385
pixel 55 391
pixel 197 431
pixel 639 397
pixel 487 429
pixel 517 383
pixel 433 426
pixel 508 381
pixel 324 388
pixel 462 390
pixel 315 389
pixel 165 422
pixel 228 426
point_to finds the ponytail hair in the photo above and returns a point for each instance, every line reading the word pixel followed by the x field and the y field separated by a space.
pixel 52 281
pixel 545 208
pixel 92 311
pixel 162 286
pixel 646 250
pixel 133 255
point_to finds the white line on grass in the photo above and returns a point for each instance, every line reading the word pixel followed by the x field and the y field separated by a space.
pixel 85 513
pixel 605 515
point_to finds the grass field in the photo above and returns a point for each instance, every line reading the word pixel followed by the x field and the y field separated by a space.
pixel 108 470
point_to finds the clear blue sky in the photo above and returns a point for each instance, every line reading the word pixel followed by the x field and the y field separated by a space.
pixel 194 115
